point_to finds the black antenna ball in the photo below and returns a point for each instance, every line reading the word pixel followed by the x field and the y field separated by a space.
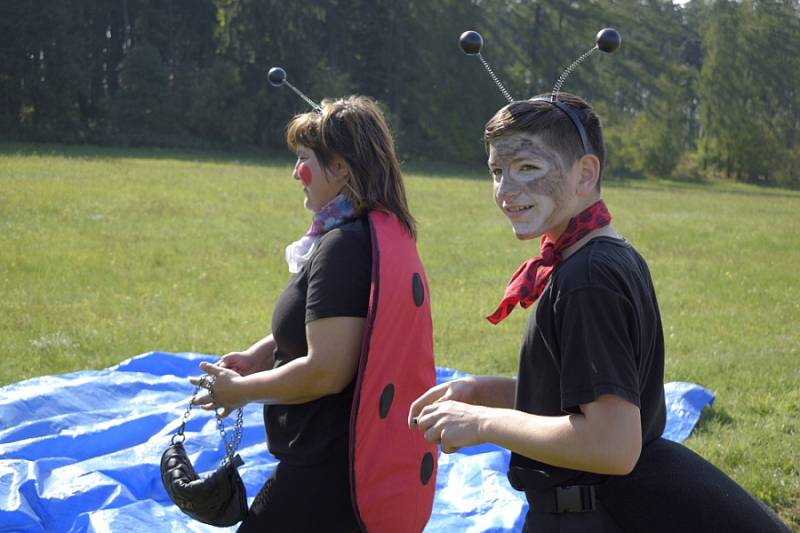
pixel 471 42
pixel 608 40
pixel 276 76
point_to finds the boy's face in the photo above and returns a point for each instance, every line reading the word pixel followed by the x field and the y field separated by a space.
pixel 531 183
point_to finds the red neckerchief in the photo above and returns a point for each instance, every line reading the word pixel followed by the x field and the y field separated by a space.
pixel 529 280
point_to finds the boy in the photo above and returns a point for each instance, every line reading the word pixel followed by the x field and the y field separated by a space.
pixel 588 398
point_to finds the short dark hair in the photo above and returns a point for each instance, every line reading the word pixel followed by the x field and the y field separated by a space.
pixel 538 116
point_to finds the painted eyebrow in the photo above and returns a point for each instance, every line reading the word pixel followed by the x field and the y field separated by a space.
pixel 529 154
pixel 518 159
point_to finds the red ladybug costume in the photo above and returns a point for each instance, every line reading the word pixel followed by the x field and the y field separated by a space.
pixel 393 469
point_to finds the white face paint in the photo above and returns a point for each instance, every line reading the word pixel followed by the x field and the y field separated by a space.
pixel 530 183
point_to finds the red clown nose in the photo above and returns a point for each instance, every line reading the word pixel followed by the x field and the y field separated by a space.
pixel 302 171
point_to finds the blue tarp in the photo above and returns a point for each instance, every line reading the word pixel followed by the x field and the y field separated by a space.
pixel 81 452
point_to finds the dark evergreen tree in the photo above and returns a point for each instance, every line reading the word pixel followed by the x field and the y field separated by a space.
pixel 709 88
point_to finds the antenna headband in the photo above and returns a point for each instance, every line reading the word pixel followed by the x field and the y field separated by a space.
pixel 277 77
pixel 607 40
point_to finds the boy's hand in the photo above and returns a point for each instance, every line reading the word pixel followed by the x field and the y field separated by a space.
pixel 459 390
pixel 452 424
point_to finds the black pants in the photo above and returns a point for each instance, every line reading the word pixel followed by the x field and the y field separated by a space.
pixel 597 521
pixel 301 499
pixel 674 489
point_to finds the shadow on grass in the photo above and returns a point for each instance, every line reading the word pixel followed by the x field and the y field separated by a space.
pixel 713 416
pixel 426 168
pixel 418 166
pixel 706 186
pixel 477 170
pixel 214 154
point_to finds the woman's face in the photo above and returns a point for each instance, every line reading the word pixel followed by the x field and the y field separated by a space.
pixel 319 187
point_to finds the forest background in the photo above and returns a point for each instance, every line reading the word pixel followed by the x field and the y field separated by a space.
pixel 700 90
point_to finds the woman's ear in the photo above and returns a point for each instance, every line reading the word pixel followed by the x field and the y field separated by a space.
pixel 590 174
pixel 339 169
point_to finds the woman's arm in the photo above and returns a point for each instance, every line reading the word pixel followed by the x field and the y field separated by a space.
pixel 260 356
pixel 334 345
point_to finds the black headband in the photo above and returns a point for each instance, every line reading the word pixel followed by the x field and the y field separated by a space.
pixel 573 116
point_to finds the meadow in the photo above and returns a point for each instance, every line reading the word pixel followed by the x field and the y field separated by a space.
pixel 108 253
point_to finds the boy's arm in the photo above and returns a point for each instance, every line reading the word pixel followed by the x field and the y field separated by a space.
pixel 496 391
pixel 489 391
pixel 606 438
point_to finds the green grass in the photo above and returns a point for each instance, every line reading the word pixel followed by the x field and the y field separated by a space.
pixel 108 253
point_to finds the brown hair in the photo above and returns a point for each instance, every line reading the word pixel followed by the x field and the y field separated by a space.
pixel 354 129
pixel 540 117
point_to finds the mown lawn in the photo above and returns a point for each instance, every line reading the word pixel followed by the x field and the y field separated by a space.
pixel 108 253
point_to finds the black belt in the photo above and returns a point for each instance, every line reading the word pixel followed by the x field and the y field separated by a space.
pixel 567 499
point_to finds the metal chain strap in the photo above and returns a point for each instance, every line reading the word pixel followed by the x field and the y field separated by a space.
pixel 230 445
pixel 185 418
pixel 233 444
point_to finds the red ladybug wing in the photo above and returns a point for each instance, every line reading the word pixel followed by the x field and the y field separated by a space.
pixel 393 469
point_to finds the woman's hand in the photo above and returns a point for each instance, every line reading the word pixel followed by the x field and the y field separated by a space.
pixel 256 358
pixel 243 363
pixel 227 386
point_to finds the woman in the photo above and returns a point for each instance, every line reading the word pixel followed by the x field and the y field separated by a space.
pixel 304 371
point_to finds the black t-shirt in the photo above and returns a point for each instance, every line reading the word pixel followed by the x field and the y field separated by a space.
pixel 334 282
pixel 596 330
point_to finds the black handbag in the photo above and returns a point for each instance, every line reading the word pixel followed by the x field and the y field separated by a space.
pixel 218 499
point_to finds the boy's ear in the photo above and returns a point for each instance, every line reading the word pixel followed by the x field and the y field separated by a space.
pixel 590 174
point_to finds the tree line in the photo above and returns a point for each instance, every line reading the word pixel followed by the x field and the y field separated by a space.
pixel 706 89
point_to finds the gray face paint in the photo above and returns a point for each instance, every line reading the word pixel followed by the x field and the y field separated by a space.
pixel 530 182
